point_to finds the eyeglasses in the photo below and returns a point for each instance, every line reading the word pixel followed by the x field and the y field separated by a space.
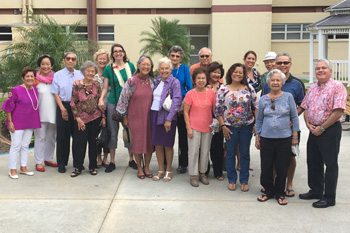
pixel 283 62
pixel 70 58
pixel 204 56
pixel 118 51
pixel 175 56
pixel 273 104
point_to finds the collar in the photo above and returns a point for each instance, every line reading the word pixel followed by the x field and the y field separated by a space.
pixel 67 71
pixel 170 78
pixel 291 77
pixel 323 85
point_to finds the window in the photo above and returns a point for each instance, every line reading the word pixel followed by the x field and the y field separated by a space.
pixel 105 33
pixel 199 38
pixel 289 32
pixel 338 37
pixel 5 33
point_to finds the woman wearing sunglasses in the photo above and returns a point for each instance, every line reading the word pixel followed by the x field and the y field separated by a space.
pixel 274 136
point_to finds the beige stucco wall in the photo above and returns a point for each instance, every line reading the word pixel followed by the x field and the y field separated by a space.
pixel 240 2
pixel 285 3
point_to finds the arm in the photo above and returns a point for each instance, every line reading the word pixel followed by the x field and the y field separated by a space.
pixel 10 123
pixel 124 99
pixel 334 117
pixel 258 125
pixel 60 105
pixel 103 93
pixel 187 120
pixel 188 79
pixel 76 111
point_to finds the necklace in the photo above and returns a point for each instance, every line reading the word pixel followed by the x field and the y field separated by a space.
pixel 37 102
pixel 144 82
pixel 199 102
pixel 178 68
pixel 85 89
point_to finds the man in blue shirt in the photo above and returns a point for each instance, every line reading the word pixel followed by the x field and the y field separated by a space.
pixel 62 86
pixel 296 87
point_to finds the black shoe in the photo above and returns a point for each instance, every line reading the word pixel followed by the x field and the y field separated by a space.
pixel 308 196
pixel 62 169
pixel 133 164
pixel 181 170
pixel 322 204
pixel 110 168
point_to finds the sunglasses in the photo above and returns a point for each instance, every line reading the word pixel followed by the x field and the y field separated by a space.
pixel 204 56
pixel 71 58
pixel 283 62
pixel 175 56
pixel 273 104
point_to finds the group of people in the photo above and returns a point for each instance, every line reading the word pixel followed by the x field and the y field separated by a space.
pixel 192 99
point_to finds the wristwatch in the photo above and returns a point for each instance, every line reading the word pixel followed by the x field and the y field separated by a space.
pixel 322 129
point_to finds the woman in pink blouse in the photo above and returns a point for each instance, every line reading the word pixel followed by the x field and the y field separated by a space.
pixel 87 117
pixel 22 110
pixel 198 112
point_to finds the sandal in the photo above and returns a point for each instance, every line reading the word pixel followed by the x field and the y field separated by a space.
pixel 93 172
pixel 220 178
pixel 158 176
pixel 280 200
pixel 262 199
pixel 167 177
pixel 244 187
pixel 288 191
pixel 76 173
pixel 231 186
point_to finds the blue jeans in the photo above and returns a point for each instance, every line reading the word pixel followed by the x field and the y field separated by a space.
pixel 241 136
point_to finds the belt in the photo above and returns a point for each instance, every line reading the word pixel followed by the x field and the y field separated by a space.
pixel 66 102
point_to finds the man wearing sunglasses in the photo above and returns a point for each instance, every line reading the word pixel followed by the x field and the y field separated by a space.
pixel 62 86
pixel 296 87
pixel 205 56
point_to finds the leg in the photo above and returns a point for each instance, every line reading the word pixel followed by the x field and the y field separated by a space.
pixel 169 154
pixel 217 154
pixel 79 145
pixel 63 139
pixel 16 141
pixel 281 164
pixel 40 144
pixel 267 155
pixel 140 172
pixel 183 143
pixel 93 129
pixel 50 142
pixel 244 147
pixel 113 127
pixel 148 158
pixel 205 148
pixel 27 136
pixel 230 155
pixel 193 153
pixel 238 159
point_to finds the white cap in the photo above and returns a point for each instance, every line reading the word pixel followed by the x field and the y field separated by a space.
pixel 270 56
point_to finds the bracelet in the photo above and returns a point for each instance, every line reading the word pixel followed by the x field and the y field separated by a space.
pixel 295 138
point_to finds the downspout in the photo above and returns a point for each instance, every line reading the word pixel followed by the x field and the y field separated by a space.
pixel 91 20
pixel 24 11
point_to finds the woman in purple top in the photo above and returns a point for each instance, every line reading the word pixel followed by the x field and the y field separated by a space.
pixel 22 109
pixel 163 122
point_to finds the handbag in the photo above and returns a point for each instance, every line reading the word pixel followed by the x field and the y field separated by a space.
pixel 103 137
pixel 168 101
pixel 127 135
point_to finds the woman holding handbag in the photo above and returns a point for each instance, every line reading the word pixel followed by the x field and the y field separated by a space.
pixel 166 102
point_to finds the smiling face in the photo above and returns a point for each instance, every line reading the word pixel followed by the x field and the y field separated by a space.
pixel 175 58
pixel 118 54
pixel 164 70
pixel 144 67
pixel 215 75
pixel 275 82
pixel 102 60
pixel 237 75
pixel 284 64
pixel 201 80
pixel 205 57
pixel 323 72
pixel 28 79
pixel 70 61
pixel 89 73
pixel 249 61
pixel 270 64
pixel 45 67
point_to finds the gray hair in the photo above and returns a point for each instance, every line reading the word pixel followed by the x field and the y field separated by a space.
pixel 139 62
pixel 329 64
pixel 86 65
pixel 284 54
pixel 165 60
pixel 275 71
pixel 176 49
pixel 67 53
pixel 199 53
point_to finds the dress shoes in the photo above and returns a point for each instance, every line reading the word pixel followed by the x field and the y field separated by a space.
pixel 308 196
pixel 39 169
pixel 13 176
pixel 181 170
pixel 323 204
pixel 51 164
pixel 62 169
pixel 26 173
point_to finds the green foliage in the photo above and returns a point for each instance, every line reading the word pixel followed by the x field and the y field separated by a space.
pixel 46 36
pixel 165 34
pixel 2 117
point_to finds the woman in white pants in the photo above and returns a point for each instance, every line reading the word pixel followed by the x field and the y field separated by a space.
pixel 45 137
pixel 22 110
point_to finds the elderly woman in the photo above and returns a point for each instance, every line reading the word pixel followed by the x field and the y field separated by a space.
pixel 163 122
pixel 101 58
pixel 274 137
pixel 215 72
pixel 198 113
pixel 22 110
pixel 135 106
pixel 115 75
pixel 234 112
pixel 87 117
pixel 45 137
pixel 182 73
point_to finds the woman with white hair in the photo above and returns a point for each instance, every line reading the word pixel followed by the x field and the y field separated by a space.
pixel 274 136
pixel 163 121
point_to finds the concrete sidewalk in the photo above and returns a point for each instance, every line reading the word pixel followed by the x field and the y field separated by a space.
pixel 120 202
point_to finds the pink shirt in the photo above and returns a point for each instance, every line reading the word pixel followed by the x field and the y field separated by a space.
pixel 321 100
pixel 201 112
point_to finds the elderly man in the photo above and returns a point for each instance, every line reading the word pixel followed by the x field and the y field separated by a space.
pixel 62 85
pixel 324 105
pixel 296 87
pixel 205 56
pixel 270 64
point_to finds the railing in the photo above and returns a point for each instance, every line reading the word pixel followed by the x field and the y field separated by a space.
pixel 340 70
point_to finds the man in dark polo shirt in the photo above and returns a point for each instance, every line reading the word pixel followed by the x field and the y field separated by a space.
pixel 296 87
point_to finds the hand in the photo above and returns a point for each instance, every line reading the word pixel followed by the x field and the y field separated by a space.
pixel 167 126
pixel 125 121
pixel 64 114
pixel 295 142
pixel 317 131
pixel 310 127
pixel 254 130
pixel 11 127
pixel 257 143
pixel 76 82
pixel 101 104
pixel 103 122
pixel 227 132
pixel 189 133
pixel 9 95
pixel 81 125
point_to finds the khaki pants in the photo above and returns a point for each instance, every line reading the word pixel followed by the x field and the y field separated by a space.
pixel 199 141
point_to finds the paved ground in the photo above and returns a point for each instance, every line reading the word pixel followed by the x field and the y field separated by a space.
pixel 120 202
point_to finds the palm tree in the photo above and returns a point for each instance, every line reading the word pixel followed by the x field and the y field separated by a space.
pixel 165 34
pixel 46 36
